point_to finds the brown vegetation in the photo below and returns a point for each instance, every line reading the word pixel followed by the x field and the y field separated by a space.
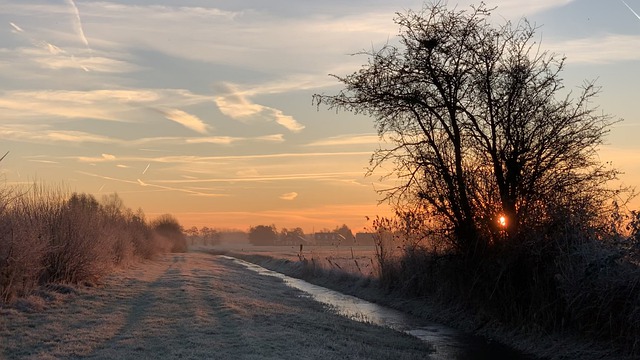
pixel 168 229
pixel 49 237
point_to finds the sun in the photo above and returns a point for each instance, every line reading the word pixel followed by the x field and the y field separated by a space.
pixel 502 221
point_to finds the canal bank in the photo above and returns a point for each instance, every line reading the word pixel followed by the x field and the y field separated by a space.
pixel 522 338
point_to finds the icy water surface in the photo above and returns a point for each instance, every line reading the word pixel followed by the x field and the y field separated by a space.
pixel 448 343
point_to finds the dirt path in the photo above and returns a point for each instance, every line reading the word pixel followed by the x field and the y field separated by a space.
pixel 194 306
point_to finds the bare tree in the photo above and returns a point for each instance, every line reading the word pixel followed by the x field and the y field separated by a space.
pixel 477 125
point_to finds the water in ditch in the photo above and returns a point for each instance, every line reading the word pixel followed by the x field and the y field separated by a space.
pixel 448 343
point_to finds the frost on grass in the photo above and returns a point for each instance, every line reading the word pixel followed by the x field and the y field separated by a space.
pixel 196 306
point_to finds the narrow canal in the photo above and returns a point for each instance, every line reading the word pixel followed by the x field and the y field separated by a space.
pixel 449 343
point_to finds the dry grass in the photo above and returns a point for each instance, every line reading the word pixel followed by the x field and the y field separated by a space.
pixel 48 236
pixel 354 260
pixel 569 282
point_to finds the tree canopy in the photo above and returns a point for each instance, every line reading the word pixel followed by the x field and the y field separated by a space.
pixel 479 126
pixel 263 235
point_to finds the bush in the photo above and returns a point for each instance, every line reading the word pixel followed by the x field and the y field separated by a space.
pixel 21 250
pixel 48 237
pixel 167 228
pixel 78 248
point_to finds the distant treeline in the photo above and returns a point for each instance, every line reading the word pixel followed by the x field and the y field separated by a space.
pixel 341 235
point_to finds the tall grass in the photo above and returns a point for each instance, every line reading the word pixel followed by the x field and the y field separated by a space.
pixel 48 236
pixel 571 278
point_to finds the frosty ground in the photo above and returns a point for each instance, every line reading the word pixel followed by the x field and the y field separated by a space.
pixel 191 306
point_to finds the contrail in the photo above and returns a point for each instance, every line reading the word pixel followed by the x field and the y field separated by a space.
pixel 629 7
pixel 147 168
pixel 54 50
pixel 16 27
pixel 78 23
pixel 101 187
pixel 142 183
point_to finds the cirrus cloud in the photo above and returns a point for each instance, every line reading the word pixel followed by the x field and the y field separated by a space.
pixel 235 103
pixel 289 196
pixel 187 120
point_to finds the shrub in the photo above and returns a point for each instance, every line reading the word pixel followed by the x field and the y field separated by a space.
pixel 49 237
pixel 21 250
pixel 78 249
pixel 167 228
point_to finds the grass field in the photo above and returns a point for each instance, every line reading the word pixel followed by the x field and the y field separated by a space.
pixel 357 260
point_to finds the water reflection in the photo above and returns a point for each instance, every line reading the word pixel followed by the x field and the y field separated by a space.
pixel 448 343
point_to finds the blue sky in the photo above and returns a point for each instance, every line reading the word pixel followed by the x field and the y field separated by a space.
pixel 203 108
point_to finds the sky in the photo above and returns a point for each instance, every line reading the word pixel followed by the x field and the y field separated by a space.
pixel 203 109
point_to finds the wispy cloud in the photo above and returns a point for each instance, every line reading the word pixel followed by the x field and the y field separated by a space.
pixel 46 55
pixel 44 161
pixel 51 60
pixel 218 140
pixel 247 173
pixel 226 140
pixel 42 134
pixel 295 82
pixel 48 50
pixel 123 105
pixel 77 23
pixel 210 159
pixel 235 103
pixel 265 178
pixel 289 196
pixel 152 185
pixel 39 133
pixel 358 139
pixel 189 32
pixel 187 120
pixel 270 138
pixel 610 49
pixel 518 8
pixel 287 121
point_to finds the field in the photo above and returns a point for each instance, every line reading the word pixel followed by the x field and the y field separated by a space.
pixel 357 260
pixel 190 306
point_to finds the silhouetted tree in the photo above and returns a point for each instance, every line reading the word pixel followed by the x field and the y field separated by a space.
pixel 113 205
pixel 263 235
pixel 209 236
pixel 346 232
pixel 478 127
pixel 168 227
pixel 292 236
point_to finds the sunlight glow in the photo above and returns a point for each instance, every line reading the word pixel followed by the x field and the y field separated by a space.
pixel 502 221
